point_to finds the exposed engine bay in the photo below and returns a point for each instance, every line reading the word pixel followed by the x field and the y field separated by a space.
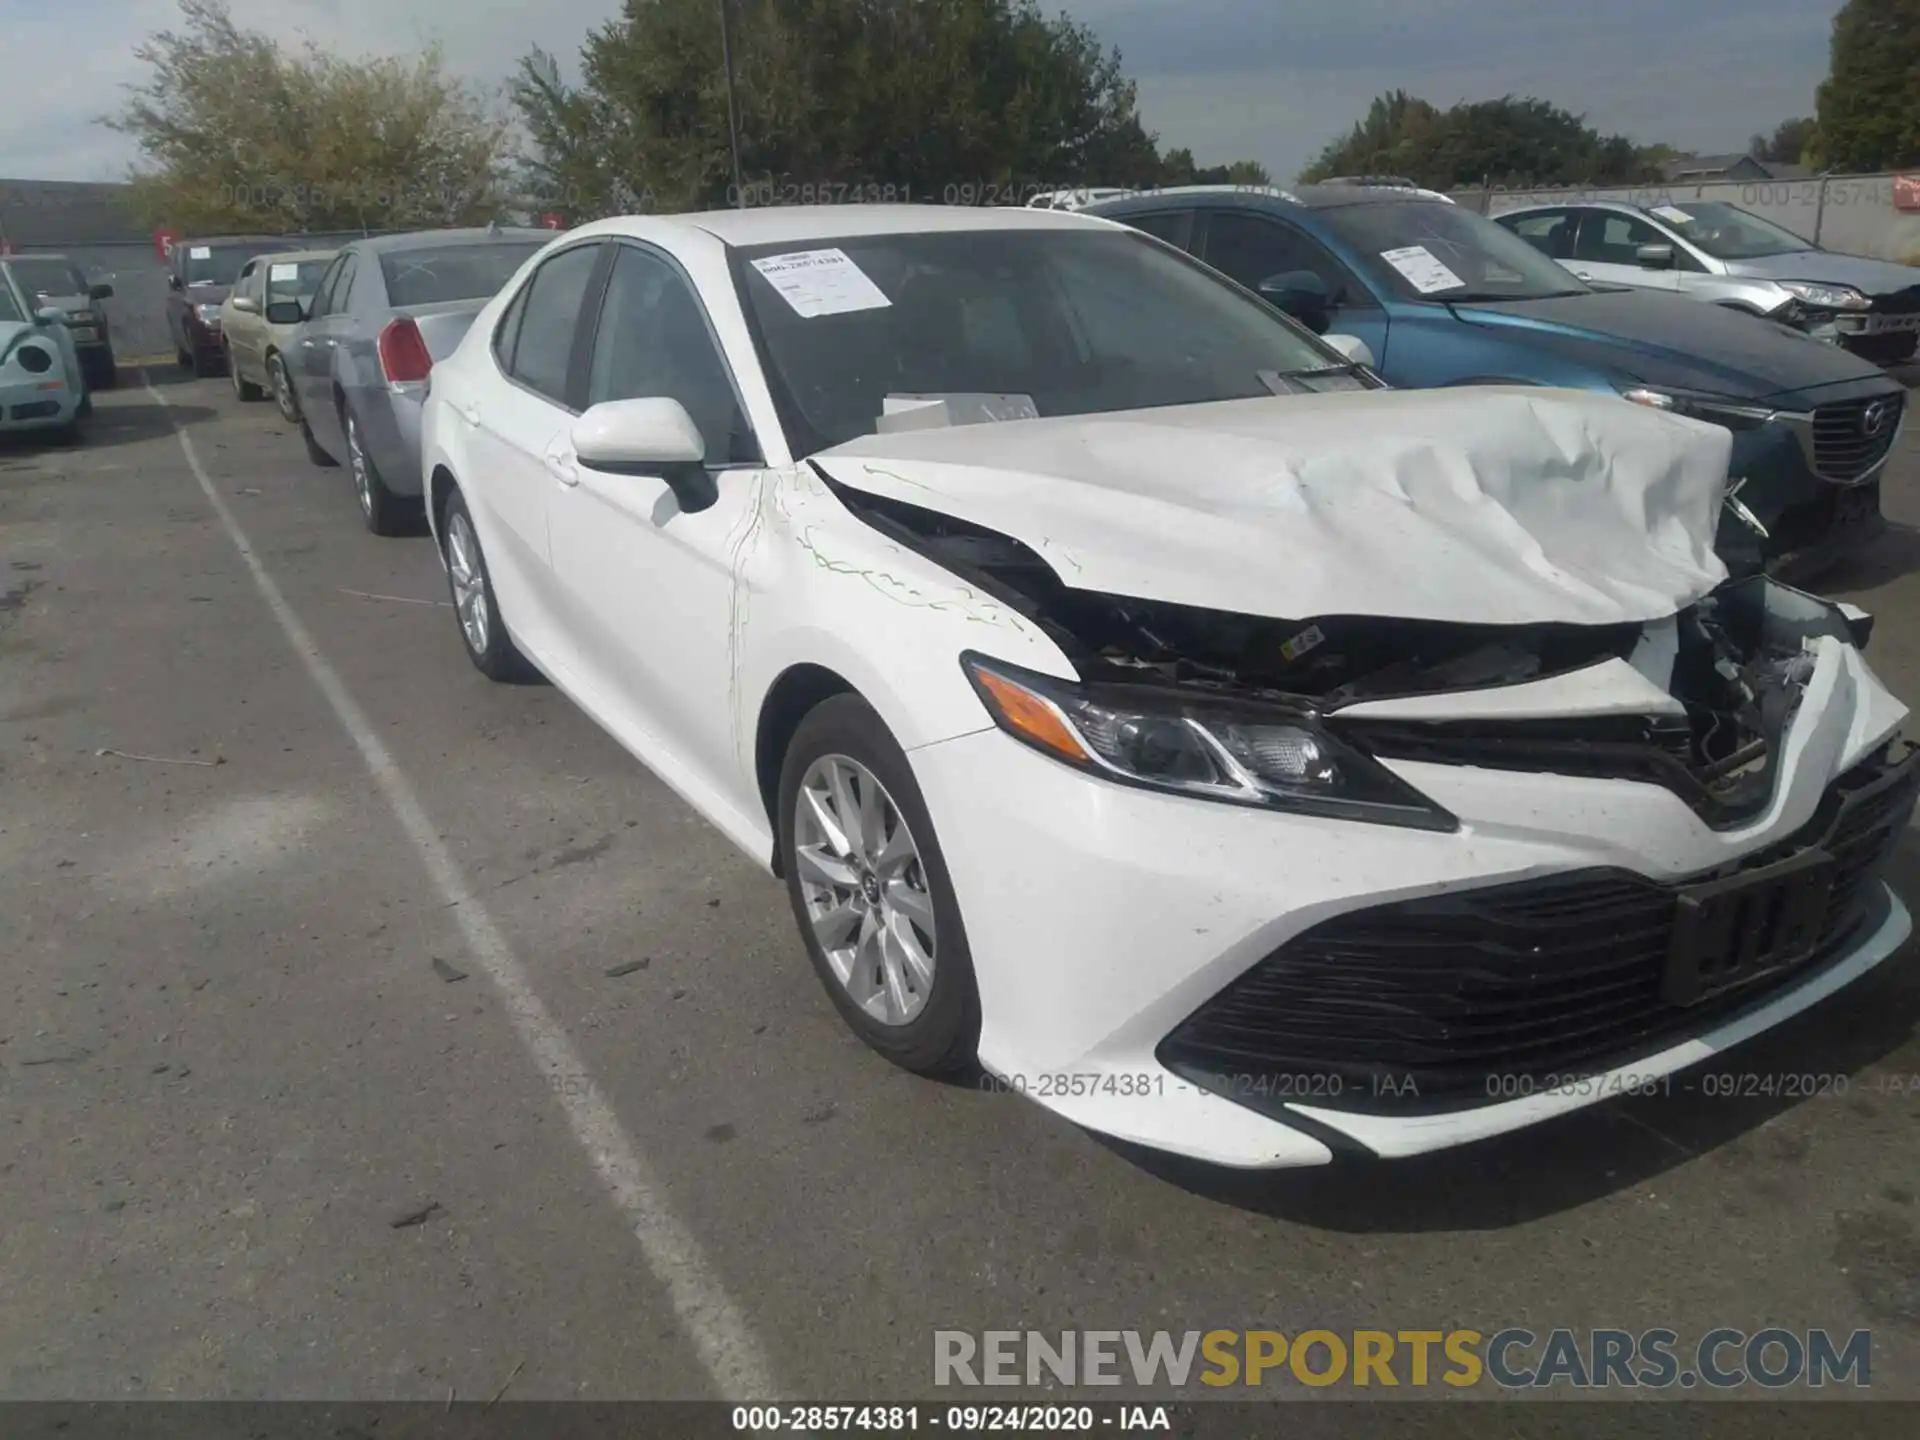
pixel 1736 663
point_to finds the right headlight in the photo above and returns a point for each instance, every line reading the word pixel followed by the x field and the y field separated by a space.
pixel 1240 752
pixel 1718 409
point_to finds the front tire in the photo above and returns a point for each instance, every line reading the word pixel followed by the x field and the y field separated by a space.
pixel 871 893
pixel 281 384
pixel 482 631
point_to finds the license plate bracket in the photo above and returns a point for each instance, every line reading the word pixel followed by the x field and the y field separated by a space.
pixel 1731 931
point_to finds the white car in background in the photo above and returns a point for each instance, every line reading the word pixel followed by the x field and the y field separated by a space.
pixel 1228 753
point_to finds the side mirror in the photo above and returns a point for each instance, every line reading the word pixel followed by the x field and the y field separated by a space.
pixel 1301 294
pixel 1655 257
pixel 173 281
pixel 655 437
pixel 100 292
pixel 246 304
pixel 280 312
pixel 1353 347
pixel 50 316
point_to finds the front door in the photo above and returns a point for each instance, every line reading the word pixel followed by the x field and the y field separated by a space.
pixel 1606 250
pixel 313 355
pixel 649 586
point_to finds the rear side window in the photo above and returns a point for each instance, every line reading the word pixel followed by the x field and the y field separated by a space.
pixel 551 316
pixel 438 274
pixel 1173 226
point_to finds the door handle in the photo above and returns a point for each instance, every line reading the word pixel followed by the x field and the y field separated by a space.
pixel 560 464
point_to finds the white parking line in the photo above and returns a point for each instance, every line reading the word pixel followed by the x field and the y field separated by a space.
pixel 720 1334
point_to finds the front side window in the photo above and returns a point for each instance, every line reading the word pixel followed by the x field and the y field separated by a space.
pixel 556 295
pixel 653 342
pixel 1550 232
pixel 1051 322
pixel 1608 237
pixel 1252 248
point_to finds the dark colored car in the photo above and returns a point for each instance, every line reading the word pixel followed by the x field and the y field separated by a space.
pixel 385 310
pixel 200 276
pixel 55 282
pixel 1443 296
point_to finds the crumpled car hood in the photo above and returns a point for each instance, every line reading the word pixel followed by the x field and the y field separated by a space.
pixel 1482 506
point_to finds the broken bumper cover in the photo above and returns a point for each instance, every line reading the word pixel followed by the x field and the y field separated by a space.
pixel 1102 919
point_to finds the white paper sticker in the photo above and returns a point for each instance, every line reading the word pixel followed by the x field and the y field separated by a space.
pixel 200 252
pixel 1423 272
pixel 821 282
pixel 1672 214
pixel 283 272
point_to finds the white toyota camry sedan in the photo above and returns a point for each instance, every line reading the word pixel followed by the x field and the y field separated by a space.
pixel 1145 705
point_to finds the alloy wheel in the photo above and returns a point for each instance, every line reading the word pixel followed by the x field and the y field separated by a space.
pixel 357 462
pixel 282 389
pixel 469 583
pixel 865 889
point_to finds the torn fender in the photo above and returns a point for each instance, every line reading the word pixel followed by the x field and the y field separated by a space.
pixel 1501 506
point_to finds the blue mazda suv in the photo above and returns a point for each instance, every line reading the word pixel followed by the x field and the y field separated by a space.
pixel 1443 296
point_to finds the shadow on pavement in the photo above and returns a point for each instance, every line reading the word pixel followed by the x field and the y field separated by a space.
pixel 1892 554
pixel 1563 1164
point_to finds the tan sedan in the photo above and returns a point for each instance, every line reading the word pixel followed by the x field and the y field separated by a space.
pixel 258 320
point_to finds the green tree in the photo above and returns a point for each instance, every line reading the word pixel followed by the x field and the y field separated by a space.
pixel 1869 104
pixel 238 134
pixel 1510 140
pixel 939 99
pixel 1789 144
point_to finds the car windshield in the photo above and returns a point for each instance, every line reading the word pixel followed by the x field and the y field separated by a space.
pixel 47 277
pixel 435 274
pixel 1430 250
pixel 294 279
pixel 1727 232
pixel 220 264
pixel 1021 323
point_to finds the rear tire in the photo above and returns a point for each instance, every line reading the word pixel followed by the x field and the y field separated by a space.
pixel 385 513
pixel 483 633
pixel 204 366
pixel 835 887
pixel 105 374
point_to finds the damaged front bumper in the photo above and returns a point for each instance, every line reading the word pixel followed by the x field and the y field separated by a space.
pixel 1244 985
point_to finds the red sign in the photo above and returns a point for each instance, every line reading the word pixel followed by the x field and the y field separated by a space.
pixel 553 221
pixel 1906 192
pixel 163 242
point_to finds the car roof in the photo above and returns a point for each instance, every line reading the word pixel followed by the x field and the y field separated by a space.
pixel 438 239
pixel 37 255
pixel 294 257
pixel 1270 197
pixel 1627 206
pixel 777 224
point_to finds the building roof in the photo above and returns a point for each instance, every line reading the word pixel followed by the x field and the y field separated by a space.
pixel 68 212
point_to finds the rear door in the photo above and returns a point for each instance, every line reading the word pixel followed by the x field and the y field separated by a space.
pixel 317 349
pixel 516 412
pixel 1249 246
pixel 1606 249
pixel 1175 226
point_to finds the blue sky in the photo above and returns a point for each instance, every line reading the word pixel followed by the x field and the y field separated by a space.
pixel 1229 79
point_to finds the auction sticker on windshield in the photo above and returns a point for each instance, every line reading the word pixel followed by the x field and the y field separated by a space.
pixel 200 252
pixel 1672 214
pixel 821 282
pixel 283 272
pixel 1423 272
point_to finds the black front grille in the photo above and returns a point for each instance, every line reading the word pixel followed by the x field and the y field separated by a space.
pixel 1464 998
pixel 1898 302
pixel 35 410
pixel 1653 749
pixel 1852 437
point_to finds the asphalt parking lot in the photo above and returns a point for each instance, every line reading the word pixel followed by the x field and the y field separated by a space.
pixel 270 1126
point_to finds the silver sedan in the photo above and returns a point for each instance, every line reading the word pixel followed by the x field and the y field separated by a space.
pixel 386 309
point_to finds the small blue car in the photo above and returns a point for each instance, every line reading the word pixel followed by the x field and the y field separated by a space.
pixel 1444 296
pixel 42 384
